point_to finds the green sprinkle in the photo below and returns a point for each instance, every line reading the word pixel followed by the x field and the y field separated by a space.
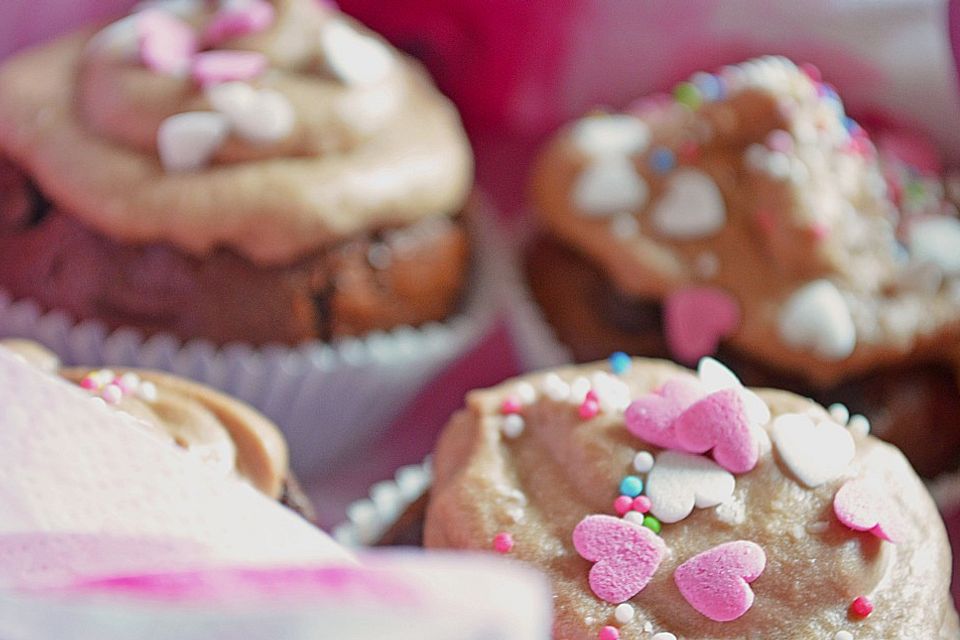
pixel 688 95
pixel 651 523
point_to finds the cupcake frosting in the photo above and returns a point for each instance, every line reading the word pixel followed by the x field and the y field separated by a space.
pixel 272 128
pixel 760 213
pixel 224 433
pixel 756 514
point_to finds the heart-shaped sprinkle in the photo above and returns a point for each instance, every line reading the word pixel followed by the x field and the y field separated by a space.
pixel 260 116
pixel 626 555
pixel 814 453
pixel 355 58
pixel 238 20
pixel 681 481
pixel 216 67
pixel 187 141
pixel 609 185
pixel 862 505
pixel 691 208
pixel 816 317
pixel 696 319
pixel 717 582
pixel 719 422
pixel 651 417
pixel 613 134
pixel 714 376
pixel 167 43
pixel 937 240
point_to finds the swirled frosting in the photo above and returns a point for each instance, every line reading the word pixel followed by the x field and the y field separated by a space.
pixel 270 128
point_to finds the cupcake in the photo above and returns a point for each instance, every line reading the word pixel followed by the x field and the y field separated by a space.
pixel 229 437
pixel 663 503
pixel 200 175
pixel 748 215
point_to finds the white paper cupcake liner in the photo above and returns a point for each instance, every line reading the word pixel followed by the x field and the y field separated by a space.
pixel 328 398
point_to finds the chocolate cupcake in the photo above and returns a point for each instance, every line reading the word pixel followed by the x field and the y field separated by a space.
pixel 229 436
pixel 748 215
pixel 202 175
pixel 666 504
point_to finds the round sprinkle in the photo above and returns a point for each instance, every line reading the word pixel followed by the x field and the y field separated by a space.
pixel 623 613
pixel 511 404
pixel 859 425
pixel 589 408
pixel 526 393
pixel 620 362
pixel 688 151
pixel 631 486
pixel 839 413
pixel 609 633
pixel 843 635
pixel 662 160
pixel 128 382
pixel 780 140
pixel 651 523
pixel 634 517
pixel 513 426
pixel 687 94
pixel 710 86
pixel 503 542
pixel 623 504
pixel 111 394
pixel 643 461
pixel 147 391
pixel 861 607
pixel 664 635
pixel 811 72
pixel 89 382
pixel 641 504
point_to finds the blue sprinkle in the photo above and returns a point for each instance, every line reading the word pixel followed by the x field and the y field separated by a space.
pixel 710 86
pixel 662 160
pixel 620 362
pixel 631 486
pixel 850 124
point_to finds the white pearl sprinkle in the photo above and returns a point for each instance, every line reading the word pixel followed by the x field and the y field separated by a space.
pixel 111 394
pixel 643 461
pixel 525 393
pixel 839 413
pixel 843 635
pixel 513 426
pixel 579 390
pixel 623 613
pixel 664 635
pixel 859 425
pixel 555 388
pixel 147 391
pixel 98 400
pixel 634 516
pixel 130 380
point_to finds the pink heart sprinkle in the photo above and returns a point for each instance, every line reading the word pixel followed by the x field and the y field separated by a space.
pixel 626 555
pixel 716 582
pixel 861 505
pixel 215 67
pixel 235 22
pixel 697 319
pixel 719 422
pixel 651 417
pixel 167 43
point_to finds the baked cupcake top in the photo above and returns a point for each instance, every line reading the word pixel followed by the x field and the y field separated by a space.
pixel 223 432
pixel 659 501
pixel 759 212
pixel 272 128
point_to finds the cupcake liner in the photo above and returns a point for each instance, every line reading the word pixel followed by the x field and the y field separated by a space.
pixel 328 398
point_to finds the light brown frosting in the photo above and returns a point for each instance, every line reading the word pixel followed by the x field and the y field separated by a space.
pixel 816 211
pixel 82 117
pixel 219 430
pixel 538 486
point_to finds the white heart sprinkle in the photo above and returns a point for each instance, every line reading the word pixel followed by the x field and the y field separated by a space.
pixel 681 481
pixel 260 116
pixel 187 141
pixel 691 208
pixel 937 240
pixel 814 453
pixel 608 186
pixel 610 135
pixel 816 317
pixel 355 58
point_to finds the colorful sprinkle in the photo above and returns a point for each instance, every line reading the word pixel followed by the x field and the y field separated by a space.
pixel 662 160
pixel 631 486
pixel 167 43
pixel 687 94
pixel 248 18
pixel 609 633
pixel 861 607
pixel 622 505
pixel 620 363
pixel 624 613
pixel 503 543
pixel 511 404
pixel 589 408
pixel 641 504
pixel 688 151
pixel 643 461
pixel 652 523
pixel 710 86
pixel 812 72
